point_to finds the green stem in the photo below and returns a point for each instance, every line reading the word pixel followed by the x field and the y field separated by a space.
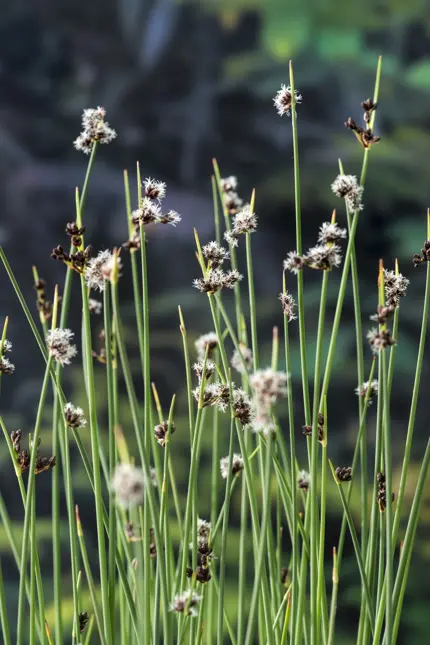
pixel 3 612
pixel 300 295
pixel 27 516
pixel 222 577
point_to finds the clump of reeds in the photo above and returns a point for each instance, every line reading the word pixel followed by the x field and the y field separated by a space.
pixel 161 574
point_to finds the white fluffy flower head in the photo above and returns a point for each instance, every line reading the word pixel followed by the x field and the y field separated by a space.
pixel 59 345
pixel 283 100
pixel 74 416
pixel 128 484
pixel 100 269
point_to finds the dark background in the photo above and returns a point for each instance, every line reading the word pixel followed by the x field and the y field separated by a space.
pixel 182 83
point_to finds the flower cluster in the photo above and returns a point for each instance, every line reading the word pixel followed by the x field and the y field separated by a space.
pixel 231 201
pixel 303 480
pixel 105 267
pixel 77 259
pixel 128 484
pixel 382 492
pixel 94 130
pixel 288 305
pixel 347 187
pixel 267 386
pixel 215 254
pixel 424 256
pixel 74 416
pixel 380 339
pixel 236 465
pixel 59 345
pixel 6 367
pixel 245 221
pixel 207 342
pixel 241 360
pixel 324 256
pixel 395 285
pixel 283 100
pixel 209 369
pixel 186 603
pixel 23 455
pixel 307 430
pixel 215 394
pixel 149 211
pixel 44 306
pixel 364 135
pixel 344 474
pixel 160 432
pixel 216 279
pixel 368 388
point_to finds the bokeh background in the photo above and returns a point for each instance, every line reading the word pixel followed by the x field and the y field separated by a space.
pixel 183 82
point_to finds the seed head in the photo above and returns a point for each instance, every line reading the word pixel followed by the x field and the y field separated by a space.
pixel 238 363
pixel 198 368
pixel 242 407
pixel 100 269
pixel 209 341
pixel 244 222
pixel 230 278
pixel 229 184
pixel 214 394
pixel 128 484
pixel 232 202
pixel 323 257
pixel 6 347
pixel 395 287
pixel 283 100
pixel 212 283
pixel 95 306
pixel 347 186
pixel 148 213
pixel 268 386
pixel 215 254
pixel 380 339
pixel 154 189
pixel 186 603
pixel 6 367
pixel 288 305
pixel 94 129
pixel 344 474
pixel 303 480
pixel 160 432
pixel 294 262
pixel 59 345
pixel 74 416
pixel 330 232
pixel 236 465
pixel 172 217
pixel 362 390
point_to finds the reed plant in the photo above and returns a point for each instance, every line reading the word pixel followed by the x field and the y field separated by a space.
pixel 161 574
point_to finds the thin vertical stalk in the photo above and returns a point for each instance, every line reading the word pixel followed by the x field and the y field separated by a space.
pixel 222 577
pixel 27 515
pixel 3 612
pixel 360 378
pixel 300 295
pixel 293 475
pixel 111 452
pixel 333 604
pixel 251 293
pixel 414 400
pixel 261 547
pixel 314 537
pixel 95 448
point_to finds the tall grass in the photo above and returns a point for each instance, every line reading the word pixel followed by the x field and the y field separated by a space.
pixel 161 574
